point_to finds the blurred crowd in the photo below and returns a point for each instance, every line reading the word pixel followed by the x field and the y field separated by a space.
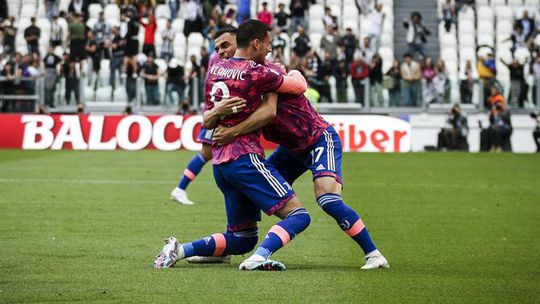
pixel 75 50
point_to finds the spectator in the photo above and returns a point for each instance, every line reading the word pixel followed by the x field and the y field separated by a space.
pixel 102 34
pixel 131 82
pixel 9 31
pixel 528 25
pixel 77 39
pixel 8 85
pixel 174 5
pixel 363 6
pixel 132 41
pixel 194 78
pixel 151 76
pixel 411 80
pixel 359 72
pixel 440 82
pixel 175 81
pixel 518 37
pixel 376 21
pixel 367 51
pixel 428 74
pixel 329 20
pixel 339 72
pixel 466 85
pixel 518 86
pixel 500 127
pixel 52 9
pixel 117 49
pixel 278 45
pixel 79 7
pixel 149 34
pixel 282 18
pixel 301 46
pixel 3 10
pixel 193 17
pixel 310 66
pixel 32 35
pixel 244 11
pixel 57 32
pixel 448 9
pixel 71 73
pixel 349 43
pixel 416 35
pixel 323 76
pixel 375 81
pixel 536 73
pixel 487 72
pixel 455 138
pixel 51 62
pixel 167 48
pixel 298 11
pixel 265 16
pixel 329 42
pixel 94 60
pixel 392 82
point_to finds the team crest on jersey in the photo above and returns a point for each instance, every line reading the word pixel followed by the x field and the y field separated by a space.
pixel 253 64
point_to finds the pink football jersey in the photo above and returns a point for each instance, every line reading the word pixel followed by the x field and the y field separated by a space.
pixel 239 78
pixel 297 125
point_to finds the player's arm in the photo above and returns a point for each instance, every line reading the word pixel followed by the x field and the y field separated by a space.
pixel 264 114
pixel 294 83
pixel 226 107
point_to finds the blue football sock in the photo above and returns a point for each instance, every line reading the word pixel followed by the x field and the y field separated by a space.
pixel 348 220
pixel 221 244
pixel 193 168
pixel 284 231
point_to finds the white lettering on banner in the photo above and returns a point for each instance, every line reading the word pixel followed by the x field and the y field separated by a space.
pixel 96 134
pixel 158 134
pixel 70 131
pixel 372 133
pixel 145 132
pixel 186 134
pixel 32 130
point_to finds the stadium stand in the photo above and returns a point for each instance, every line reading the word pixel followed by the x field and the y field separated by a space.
pixel 479 29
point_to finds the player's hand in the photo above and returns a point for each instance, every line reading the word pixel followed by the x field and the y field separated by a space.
pixel 224 135
pixel 230 106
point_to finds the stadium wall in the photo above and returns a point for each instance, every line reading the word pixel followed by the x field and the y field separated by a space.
pixel 359 133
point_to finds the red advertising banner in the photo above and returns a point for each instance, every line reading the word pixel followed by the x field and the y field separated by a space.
pixel 359 133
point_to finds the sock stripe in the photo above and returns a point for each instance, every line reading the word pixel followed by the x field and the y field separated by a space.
pixel 356 228
pixel 201 157
pixel 190 174
pixel 246 233
pixel 296 212
pixel 281 233
pixel 221 244
pixel 328 198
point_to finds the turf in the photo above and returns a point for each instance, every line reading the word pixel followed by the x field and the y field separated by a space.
pixel 85 227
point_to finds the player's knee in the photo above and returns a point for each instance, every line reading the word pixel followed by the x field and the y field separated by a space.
pixel 326 184
pixel 206 152
pixel 246 244
pixel 299 220
pixel 241 242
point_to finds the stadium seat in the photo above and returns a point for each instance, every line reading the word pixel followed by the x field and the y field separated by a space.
pixel 316 41
pixel 484 13
pixel 163 11
pixel 515 2
pixel 90 22
pixel 161 25
pixel 94 10
pixel 498 3
pixel 504 13
pixel 28 11
pixel 449 54
pixel 316 26
pixel 533 3
pixel 112 12
pixel 316 12
pixel 482 3
pixel 447 39
pixel 522 54
pixel 387 40
pixel 466 41
pixel 44 25
pixel 485 27
pixel 195 40
pixel 353 25
pixel 466 27
pixel 485 39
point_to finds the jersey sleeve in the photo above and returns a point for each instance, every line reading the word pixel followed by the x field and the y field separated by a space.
pixel 267 79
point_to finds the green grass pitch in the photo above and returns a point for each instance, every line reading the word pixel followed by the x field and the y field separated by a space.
pixel 85 227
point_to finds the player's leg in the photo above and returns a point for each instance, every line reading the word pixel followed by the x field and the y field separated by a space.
pixel 287 164
pixel 195 166
pixel 240 238
pixel 325 164
pixel 271 193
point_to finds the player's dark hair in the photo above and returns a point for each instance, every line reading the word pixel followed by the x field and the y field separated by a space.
pixel 226 29
pixel 250 30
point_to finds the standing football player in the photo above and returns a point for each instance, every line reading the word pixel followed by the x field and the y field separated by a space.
pixel 225 46
pixel 248 184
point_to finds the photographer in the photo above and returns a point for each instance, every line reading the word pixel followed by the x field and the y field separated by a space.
pixel 500 128
pixel 456 137
pixel 536 132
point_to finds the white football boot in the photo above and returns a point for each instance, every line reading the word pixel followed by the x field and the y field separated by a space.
pixel 169 254
pixel 375 260
pixel 209 259
pixel 257 262
pixel 180 196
